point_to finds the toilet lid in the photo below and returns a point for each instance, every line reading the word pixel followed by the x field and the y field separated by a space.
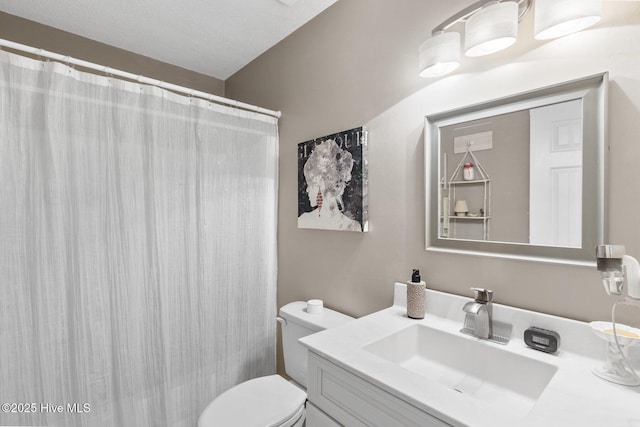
pixel 262 402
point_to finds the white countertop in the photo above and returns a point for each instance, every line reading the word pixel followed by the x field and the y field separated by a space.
pixel 573 397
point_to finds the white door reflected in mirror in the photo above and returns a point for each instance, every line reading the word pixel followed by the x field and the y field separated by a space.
pixel 556 175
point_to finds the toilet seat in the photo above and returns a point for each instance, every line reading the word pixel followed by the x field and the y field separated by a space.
pixel 269 401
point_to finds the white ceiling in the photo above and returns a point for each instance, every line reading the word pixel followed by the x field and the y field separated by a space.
pixel 213 37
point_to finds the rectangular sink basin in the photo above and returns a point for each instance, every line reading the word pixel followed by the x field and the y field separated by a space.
pixel 481 370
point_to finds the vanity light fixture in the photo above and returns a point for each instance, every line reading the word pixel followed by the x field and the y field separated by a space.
pixel 440 54
pixel 492 25
pixel 492 28
pixel 557 18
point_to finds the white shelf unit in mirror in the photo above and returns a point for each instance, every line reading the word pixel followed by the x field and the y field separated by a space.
pixel 480 181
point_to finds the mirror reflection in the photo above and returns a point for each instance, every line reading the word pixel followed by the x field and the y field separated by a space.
pixel 521 176
pixel 514 177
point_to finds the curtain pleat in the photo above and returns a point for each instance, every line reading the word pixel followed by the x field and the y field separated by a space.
pixel 137 249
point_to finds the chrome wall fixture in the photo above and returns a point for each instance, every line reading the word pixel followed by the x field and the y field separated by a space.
pixel 491 26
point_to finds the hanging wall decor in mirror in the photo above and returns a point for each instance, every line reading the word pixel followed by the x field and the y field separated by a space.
pixel 522 176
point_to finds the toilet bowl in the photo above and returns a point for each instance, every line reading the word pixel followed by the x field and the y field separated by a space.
pixel 266 401
pixel 272 401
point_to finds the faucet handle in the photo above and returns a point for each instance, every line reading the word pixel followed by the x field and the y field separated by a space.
pixel 483 295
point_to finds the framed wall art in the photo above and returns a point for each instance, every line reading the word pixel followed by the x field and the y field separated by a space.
pixel 332 182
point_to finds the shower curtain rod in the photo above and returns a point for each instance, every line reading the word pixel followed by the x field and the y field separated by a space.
pixel 138 78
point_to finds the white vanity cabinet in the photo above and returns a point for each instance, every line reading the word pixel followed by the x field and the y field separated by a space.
pixel 383 370
pixel 317 418
pixel 340 398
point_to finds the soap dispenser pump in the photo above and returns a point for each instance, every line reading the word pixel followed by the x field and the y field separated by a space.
pixel 415 296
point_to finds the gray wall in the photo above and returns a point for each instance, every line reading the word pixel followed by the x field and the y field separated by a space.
pixel 48 38
pixel 356 64
pixel 507 164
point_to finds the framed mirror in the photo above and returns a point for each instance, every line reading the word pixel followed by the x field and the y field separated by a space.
pixel 520 177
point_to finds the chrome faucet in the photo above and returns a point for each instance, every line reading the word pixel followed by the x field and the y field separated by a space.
pixel 480 313
pixel 478 321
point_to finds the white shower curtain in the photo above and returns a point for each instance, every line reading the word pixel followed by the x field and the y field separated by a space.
pixel 137 249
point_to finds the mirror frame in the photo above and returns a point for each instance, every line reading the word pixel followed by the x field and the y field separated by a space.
pixel 593 91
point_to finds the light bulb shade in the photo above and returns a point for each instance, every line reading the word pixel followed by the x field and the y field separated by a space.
pixel 491 29
pixel 461 207
pixel 557 18
pixel 440 54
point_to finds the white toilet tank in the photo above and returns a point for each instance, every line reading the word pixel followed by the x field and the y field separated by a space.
pixel 299 323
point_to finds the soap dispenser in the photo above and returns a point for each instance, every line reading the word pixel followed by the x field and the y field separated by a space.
pixel 415 296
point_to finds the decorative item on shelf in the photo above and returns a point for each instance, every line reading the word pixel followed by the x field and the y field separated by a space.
pixel 491 26
pixel 468 173
pixel 467 168
pixel 461 208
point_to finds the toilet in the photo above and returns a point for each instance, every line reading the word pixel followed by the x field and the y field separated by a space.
pixel 272 401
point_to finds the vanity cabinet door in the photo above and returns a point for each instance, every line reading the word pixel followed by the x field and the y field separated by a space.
pixel 353 402
pixel 317 418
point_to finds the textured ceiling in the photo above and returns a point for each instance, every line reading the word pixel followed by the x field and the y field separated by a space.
pixel 213 37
